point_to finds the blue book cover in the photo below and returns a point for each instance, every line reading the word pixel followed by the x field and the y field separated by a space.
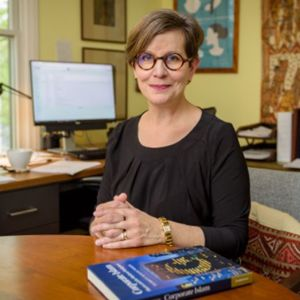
pixel 177 274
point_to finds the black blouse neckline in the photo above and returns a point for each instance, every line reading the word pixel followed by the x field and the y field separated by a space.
pixel 169 150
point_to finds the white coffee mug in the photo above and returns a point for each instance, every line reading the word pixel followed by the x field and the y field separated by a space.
pixel 19 158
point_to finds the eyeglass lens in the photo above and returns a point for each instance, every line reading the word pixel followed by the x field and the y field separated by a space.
pixel 172 61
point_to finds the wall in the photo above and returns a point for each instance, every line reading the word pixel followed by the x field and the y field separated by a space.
pixel 236 96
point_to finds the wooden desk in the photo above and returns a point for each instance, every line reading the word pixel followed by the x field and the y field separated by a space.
pixel 54 267
pixel 30 205
pixel 269 165
pixel 32 179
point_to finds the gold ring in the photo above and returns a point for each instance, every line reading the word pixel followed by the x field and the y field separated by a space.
pixel 124 235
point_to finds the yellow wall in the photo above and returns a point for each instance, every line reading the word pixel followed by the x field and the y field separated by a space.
pixel 236 96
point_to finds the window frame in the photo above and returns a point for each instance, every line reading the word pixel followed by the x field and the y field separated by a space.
pixel 24 37
pixel 11 34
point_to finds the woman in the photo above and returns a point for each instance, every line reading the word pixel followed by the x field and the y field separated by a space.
pixel 174 174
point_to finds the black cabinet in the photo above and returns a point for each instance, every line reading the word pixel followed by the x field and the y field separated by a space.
pixel 49 209
pixel 27 211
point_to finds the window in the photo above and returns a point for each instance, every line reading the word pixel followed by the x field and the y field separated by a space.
pixel 17 47
pixel 6 37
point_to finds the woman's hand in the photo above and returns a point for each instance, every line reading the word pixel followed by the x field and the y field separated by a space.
pixel 122 226
pixel 118 201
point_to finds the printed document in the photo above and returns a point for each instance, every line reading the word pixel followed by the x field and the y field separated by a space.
pixel 295 164
pixel 257 154
pixel 66 167
pixel 257 132
pixel 6 179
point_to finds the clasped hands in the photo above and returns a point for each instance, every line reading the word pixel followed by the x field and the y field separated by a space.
pixel 118 224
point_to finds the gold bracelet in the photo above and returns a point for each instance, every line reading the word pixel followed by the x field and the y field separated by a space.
pixel 166 231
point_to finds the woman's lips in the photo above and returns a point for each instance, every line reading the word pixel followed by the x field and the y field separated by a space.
pixel 160 87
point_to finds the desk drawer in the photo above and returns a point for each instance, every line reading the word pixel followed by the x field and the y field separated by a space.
pixel 28 208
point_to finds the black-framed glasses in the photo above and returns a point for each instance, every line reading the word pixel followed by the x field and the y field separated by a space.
pixel 173 61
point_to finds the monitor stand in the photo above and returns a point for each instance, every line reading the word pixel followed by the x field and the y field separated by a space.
pixel 66 144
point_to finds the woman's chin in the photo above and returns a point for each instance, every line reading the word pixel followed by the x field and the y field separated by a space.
pixel 158 100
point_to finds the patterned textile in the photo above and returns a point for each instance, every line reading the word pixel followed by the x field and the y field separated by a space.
pixel 271 252
pixel 281 58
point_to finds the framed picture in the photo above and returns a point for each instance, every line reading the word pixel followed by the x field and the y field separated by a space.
pixel 220 23
pixel 103 20
pixel 118 60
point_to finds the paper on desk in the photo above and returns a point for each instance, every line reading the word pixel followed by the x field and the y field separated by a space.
pixel 258 132
pixel 295 164
pixel 66 167
pixel 6 179
pixel 257 154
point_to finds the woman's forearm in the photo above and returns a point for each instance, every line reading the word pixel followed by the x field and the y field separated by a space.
pixel 186 235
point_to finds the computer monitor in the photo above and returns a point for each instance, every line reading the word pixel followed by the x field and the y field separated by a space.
pixel 69 96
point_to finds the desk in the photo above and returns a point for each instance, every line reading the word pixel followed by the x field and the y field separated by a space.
pixel 30 205
pixel 54 267
pixel 32 179
pixel 269 165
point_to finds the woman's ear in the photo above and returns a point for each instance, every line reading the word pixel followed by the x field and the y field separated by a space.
pixel 195 64
pixel 194 67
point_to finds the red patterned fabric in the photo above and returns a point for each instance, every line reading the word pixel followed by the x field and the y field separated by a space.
pixel 272 253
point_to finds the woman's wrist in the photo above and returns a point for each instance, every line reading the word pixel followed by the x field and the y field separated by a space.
pixel 166 231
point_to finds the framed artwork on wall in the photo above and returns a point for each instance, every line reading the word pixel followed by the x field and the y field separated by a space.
pixel 118 60
pixel 220 23
pixel 103 20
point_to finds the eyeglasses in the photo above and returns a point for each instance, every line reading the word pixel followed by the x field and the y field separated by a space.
pixel 173 61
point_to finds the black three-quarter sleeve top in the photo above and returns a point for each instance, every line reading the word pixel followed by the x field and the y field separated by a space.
pixel 202 180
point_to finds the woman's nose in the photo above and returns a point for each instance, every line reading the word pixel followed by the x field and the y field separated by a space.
pixel 160 69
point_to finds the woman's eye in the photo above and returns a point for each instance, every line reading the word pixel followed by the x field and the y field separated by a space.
pixel 173 58
pixel 146 57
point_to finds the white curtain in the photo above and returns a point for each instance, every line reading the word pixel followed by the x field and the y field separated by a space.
pixel 27 135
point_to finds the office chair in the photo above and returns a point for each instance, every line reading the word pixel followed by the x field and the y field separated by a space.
pixel 82 198
pixel 90 186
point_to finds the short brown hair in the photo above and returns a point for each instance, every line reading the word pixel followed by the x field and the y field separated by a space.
pixel 161 21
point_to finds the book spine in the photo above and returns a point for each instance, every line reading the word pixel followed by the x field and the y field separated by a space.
pixel 210 288
pixel 296 134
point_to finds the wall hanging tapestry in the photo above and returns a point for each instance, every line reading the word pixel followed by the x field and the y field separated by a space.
pixel 281 57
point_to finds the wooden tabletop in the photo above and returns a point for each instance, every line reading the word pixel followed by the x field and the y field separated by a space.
pixel 269 165
pixel 32 179
pixel 54 267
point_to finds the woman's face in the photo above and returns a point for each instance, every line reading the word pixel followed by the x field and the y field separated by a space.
pixel 160 85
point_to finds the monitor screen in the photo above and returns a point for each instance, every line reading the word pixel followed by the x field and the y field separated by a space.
pixel 70 96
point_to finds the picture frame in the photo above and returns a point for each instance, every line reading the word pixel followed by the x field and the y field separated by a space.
pixel 116 58
pixel 103 20
pixel 220 24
